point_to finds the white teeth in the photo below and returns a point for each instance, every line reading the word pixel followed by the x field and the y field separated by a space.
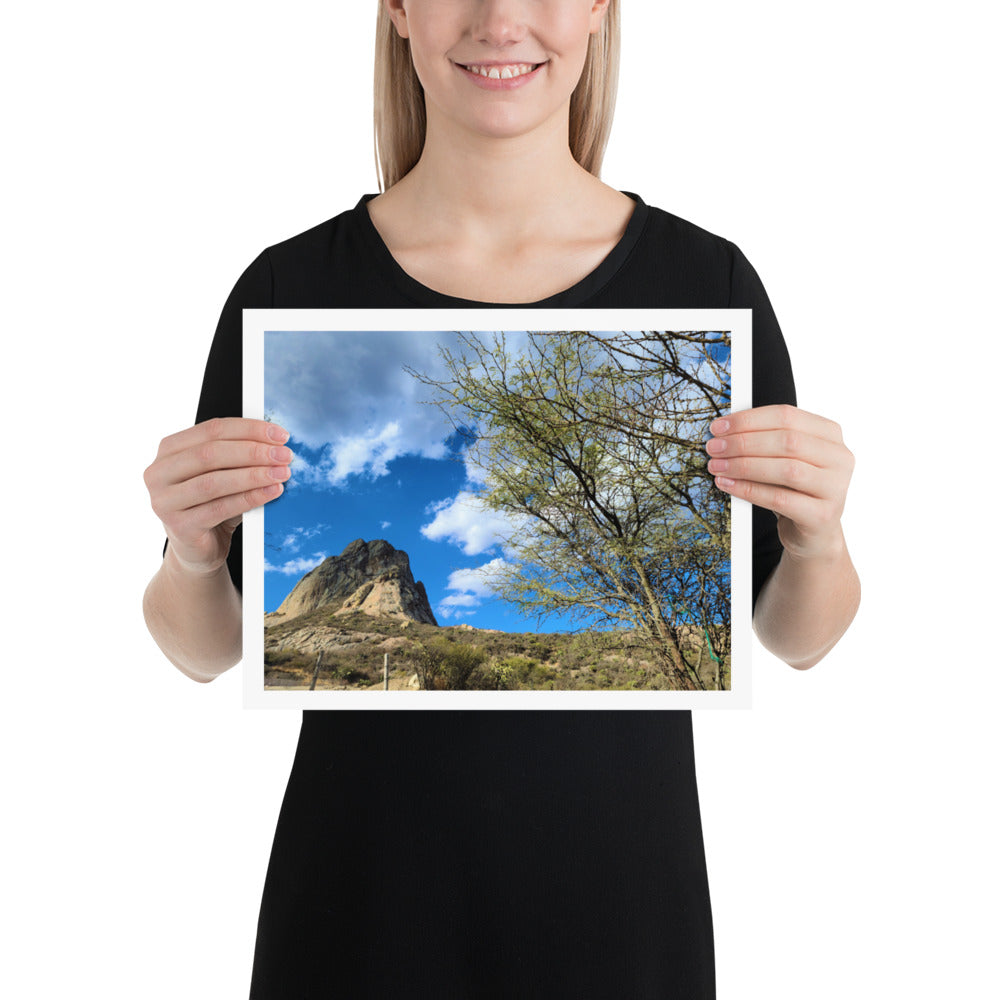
pixel 506 73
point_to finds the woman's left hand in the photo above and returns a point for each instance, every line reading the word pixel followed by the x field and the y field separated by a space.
pixel 791 462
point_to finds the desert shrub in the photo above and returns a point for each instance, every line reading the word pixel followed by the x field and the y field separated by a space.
pixel 500 675
pixel 289 659
pixel 445 665
pixel 511 672
pixel 526 673
pixel 348 667
pixel 351 673
pixel 506 644
pixel 521 666
pixel 585 649
pixel 544 678
pixel 540 647
pixel 460 662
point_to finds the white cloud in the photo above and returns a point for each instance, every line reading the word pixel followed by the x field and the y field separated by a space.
pixel 346 395
pixel 302 471
pixel 386 524
pixel 372 450
pixel 457 605
pixel 470 587
pixel 295 567
pixel 445 612
pixel 475 579
pixel 466 522
pixel 291 541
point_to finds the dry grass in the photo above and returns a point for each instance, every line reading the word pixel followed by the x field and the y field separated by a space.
pixel 465 659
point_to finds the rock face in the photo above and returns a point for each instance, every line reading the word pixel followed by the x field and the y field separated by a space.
pixel 371 577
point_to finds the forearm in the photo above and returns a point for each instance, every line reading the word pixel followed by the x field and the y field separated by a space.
pixel 195 619
pixel 807 604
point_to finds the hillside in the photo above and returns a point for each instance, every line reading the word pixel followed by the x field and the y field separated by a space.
pixel 429 657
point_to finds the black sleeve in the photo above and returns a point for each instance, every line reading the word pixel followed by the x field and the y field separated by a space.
pixel 772 383
pixel 222 384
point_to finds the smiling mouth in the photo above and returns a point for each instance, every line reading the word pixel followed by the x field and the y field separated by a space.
pixel 508 71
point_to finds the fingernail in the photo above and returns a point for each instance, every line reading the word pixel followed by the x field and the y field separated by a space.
pixel 716 445
pixel 279 472
pixel 276 433
pixel 719 426
pixel 726 484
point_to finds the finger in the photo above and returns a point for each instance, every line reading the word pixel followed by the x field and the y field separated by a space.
pixel 778 417
pixel 805 511
pixel 786 443
pixel 199 520
pixel 216 485
pixel 214 456
pixel 223 429
pixel 790 473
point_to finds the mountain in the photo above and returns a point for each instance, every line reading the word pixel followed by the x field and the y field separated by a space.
pixel 372 577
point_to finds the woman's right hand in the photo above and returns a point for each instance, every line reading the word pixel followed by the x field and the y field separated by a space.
pixel 205 478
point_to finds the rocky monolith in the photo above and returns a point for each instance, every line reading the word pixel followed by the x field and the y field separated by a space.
pixel 371 577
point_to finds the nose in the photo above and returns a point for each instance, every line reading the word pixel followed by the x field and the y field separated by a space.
pixel 499 22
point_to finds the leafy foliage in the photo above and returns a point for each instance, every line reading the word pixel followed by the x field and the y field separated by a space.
pixel 592 446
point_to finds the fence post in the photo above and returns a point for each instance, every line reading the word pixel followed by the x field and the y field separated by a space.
pixel 385 672
pixel 319 660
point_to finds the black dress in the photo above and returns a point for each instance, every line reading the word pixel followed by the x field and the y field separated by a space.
pixel 506 853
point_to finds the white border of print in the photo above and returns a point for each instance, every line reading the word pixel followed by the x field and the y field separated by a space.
pixel 257 321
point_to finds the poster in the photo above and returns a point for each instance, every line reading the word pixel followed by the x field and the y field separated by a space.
pixel 497 508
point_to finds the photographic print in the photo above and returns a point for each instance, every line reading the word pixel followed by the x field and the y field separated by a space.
pixel 497 508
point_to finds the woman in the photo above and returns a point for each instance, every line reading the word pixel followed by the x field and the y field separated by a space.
pixel 502 854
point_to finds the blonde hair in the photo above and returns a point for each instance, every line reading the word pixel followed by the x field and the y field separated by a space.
pixel 401 119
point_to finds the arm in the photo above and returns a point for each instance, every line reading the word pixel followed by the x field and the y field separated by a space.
pixel 806 605
pixel 196 618
pixel 795 464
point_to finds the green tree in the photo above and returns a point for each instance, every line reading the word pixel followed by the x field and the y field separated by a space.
pixel 592 445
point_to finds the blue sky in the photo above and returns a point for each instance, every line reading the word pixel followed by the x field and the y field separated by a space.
pixel 373 461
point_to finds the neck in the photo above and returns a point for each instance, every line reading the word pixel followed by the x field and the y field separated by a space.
pixel 495 188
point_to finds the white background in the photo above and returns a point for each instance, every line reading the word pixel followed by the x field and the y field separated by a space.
pixel 153 150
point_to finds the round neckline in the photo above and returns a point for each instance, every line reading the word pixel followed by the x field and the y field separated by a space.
pixel 588 286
